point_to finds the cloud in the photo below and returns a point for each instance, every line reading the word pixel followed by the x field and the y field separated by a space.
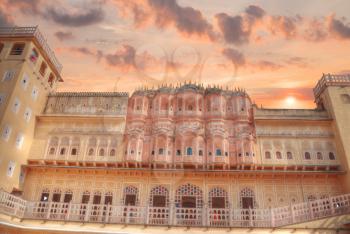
pixel 284 25
pixel 62 36
pixel 255 11
pixel 338 27
pixel 122 57
pixel 63 17
pixel 237 29
pixel 165 14
pixel 316 31
pixel 232 28
pixel 187 20
pixel 266 65
pixel 235 57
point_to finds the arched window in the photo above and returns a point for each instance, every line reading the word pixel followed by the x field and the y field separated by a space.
pixel 200 152
pixel 218 198
pixel 56 196
pixel 289 155
pixel 160 151
pixel 68 196
pixel 130 196
pixel 96 200
pixel 267 155
pixel 112 152
pixel 74 151
pixel 319 156
pixel 45 195
pixel 92 144
pixel 108 198
pixel 278 155
pixel 331 156
pixel 101 152
pixel 53 144
pixel 189 196
pixel 52 150
pixel 91 152
pixel 64 145
pixel 62 151
pixel 85 197
pixel 75 146
pixel 307 155
pixel 189 151
pixel 218 152
pixel 159 197
pixel 247 199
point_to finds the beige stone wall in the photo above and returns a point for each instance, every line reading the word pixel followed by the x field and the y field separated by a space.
pixel 76 132
pixel 19 89
pixel 297 138
pixel 336 100
pixel 269 190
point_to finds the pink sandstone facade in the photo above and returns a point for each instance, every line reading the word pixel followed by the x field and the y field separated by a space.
pixel 190 126
pixel 171 159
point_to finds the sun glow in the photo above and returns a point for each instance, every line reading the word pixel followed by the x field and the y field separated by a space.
pixel 290 101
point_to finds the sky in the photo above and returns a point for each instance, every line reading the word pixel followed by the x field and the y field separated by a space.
pixel 276 50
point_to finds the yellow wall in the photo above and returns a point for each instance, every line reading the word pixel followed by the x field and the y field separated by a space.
pixel 11 90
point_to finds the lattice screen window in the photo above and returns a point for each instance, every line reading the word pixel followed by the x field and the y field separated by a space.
pixel 247 199
pixel 45 194
pixel 68 196
pixel 64 144
pixel 75 146
pixel 85 198
pixel 56 195
pixel 108 198
pixel 189 196
pixel 130 197
pixel 218 198
pixel 53 144
pixel 92 143
pixel 159 197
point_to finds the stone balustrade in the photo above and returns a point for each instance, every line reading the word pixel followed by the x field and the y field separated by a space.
pixel 175 216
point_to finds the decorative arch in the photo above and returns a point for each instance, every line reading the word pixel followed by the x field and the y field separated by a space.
pixel 247 198
pixel 218 198
pixel 131 196
pixel 159 197
pixel 53 144
pixel 189 196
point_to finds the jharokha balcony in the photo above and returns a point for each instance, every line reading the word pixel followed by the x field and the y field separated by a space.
pixel 172 215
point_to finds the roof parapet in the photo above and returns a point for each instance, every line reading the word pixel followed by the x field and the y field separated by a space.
pixel 330 80
pixel 35 33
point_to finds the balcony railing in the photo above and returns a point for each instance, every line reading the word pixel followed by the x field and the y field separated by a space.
pixel 331 80
pixel 32 32
pixel 175 216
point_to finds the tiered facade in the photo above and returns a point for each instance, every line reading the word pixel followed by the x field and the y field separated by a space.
pixel 188 155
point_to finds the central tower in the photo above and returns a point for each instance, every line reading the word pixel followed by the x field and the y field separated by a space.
pixel 189 126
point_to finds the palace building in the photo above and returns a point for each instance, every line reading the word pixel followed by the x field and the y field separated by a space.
pixel 184 158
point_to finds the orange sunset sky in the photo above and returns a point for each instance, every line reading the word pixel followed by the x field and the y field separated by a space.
pixel 276 50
